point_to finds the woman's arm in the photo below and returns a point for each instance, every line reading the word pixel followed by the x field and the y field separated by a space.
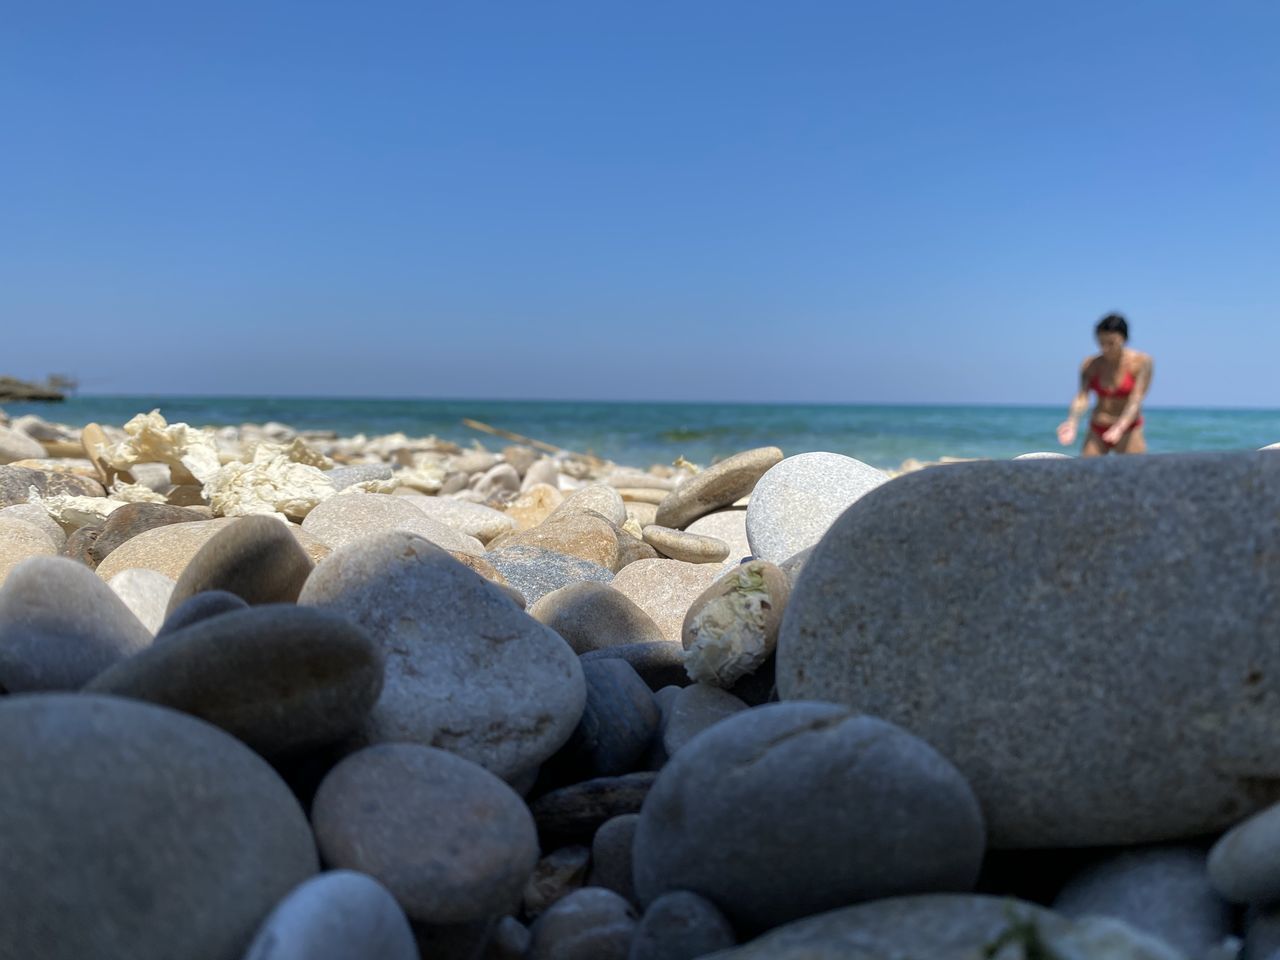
pixel 1079 404
pixel 1141 384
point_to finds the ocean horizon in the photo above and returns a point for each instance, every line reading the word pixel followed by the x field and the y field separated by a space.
pixel 641 433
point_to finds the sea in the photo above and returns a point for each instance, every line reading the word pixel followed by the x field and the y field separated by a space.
pixel 647 433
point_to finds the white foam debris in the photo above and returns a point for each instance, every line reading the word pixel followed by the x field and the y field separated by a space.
pixel 270 483
pixel 151 439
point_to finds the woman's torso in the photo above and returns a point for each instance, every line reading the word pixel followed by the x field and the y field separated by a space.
pixel 1113 385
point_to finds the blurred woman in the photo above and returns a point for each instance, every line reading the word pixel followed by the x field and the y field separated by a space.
pixel 1121 378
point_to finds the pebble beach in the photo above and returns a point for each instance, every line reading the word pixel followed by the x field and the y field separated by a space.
pixel 273 693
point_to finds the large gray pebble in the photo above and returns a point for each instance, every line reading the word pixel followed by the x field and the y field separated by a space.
pixel 589 924
pixel 60 626
pixel 591 616
pixel 618 723
pixel 1162 890
pixel 535 572
pixel 276 676
pixel 694 709
pixel 256 558
pixel 451 841
pixel 797 500
pixel 202 606
pixel 135 831
pixel 789 809
pixel 1244 864
pixel 467 670
pixel 146 593
pixel 964 604
pixel 681 926
pixel 16 484
pixel 339 915
pixel 660 663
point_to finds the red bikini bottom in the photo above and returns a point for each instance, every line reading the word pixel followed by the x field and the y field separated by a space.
pixel 1101 428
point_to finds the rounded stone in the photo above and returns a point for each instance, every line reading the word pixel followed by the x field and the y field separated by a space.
pixel 16 445
pixel 146 593
pixel 578 533
pixel 472 519
pixel 1244 865
pixel 20 541
pixel 200 607
pixel 257 558
pixel 1163 891
pixel 166 549
pixel 535 504
pixel 598 498
pixel 797 500
pixel 343 477
pixel 16 484
pixel 689 547
pixel 960 603
pixel 467 670
pixel 618 723
pixel 659 663
pixel 451 841
pixel 664 589
pixel 535 572
pixel 787 810
pixel 152 835
pixel 731 629
pixel 591 616
pixel 681 926
pixel 338 915
pixel 717 486
pixel 694 709
pixel 611 856
pixel 350 517
pixel 588 924
pixel 125 523
pixel 37 515
pixel 277 677
pixel 60 626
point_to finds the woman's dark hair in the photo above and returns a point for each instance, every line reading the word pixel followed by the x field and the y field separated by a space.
pixel 1113 323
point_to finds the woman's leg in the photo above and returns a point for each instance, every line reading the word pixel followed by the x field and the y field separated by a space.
pixel 1093 445
pixel 1132 442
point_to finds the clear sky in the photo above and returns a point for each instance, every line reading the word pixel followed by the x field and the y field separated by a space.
pixel 888 201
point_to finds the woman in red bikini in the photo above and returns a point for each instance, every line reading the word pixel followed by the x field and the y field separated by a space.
pixel 1120 377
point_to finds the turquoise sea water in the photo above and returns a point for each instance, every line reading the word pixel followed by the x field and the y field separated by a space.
pixel 644 433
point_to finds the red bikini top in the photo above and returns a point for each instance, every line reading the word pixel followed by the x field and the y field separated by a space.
pixel 1122 389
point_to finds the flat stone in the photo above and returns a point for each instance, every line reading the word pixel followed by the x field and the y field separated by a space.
pixel 1244 864
pixel 472 519
pixel 132 519
pixel 591 616
pixel 349 517
pixel 554 877
pixel 649 495
pixel 1042 455
pixel 631 548
pixel 717 486
pixel 961 604
pixel 467 670
pixel 638 480
pixel 37 515
pixel 16 445
pixel 681 926
pixel 664 589
pixel 19 542
pixel 146 594
pixel 60 626
pixel 451 841
pixel 202 606
pixel 798 500
pixel 694 709
pixel 16 483
pixel 152 835
pixel 659 664
pixel 277 677
pixel 618 723
pixel 589 924
pixel 577 811
pixel 790 809
pixel 535 572
pixel 689 547
pixel 611 856
pixel 338 915
pixel 1163 891
pixel 731 630
pixel 537 502
pixel 257 558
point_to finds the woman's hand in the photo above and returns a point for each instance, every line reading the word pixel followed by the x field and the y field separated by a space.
pixel 1113 435
pixel 1067 432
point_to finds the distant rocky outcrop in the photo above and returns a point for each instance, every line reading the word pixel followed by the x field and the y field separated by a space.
pixel 13 390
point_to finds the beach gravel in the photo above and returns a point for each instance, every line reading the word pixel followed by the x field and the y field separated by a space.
pixel 1090 642
pixel 135 831
pixel 467 669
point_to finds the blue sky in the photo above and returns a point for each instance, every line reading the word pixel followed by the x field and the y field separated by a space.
pixel 893 201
